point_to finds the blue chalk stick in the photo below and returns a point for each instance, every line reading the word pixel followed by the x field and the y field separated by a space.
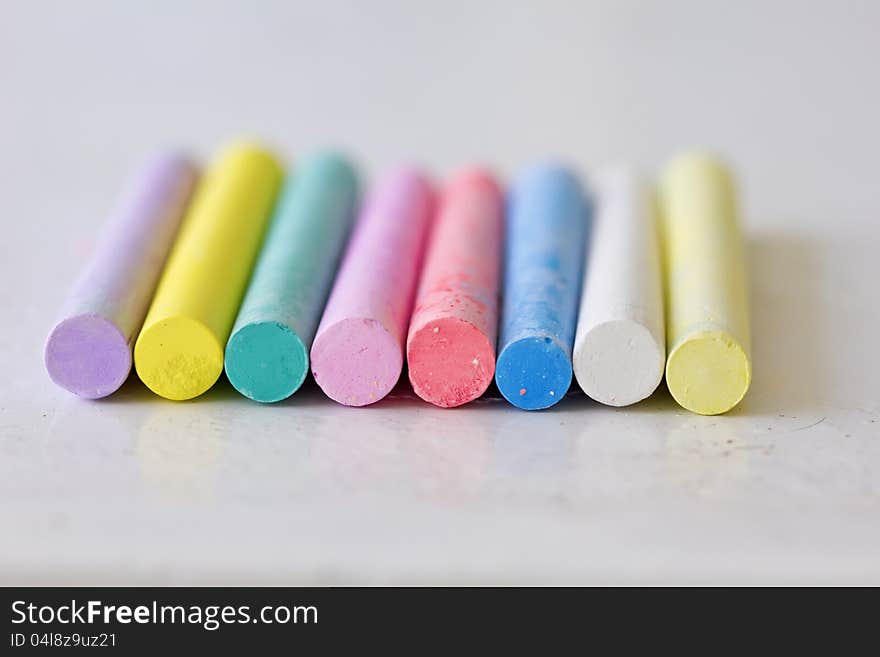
pixel 546 246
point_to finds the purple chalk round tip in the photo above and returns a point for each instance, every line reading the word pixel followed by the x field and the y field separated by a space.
pixel 87 355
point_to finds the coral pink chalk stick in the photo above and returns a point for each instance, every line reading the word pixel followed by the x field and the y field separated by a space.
pixel 357 355
pixel 451 344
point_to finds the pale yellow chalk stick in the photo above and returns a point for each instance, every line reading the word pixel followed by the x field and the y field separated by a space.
pixel 179 352
pixel 708 369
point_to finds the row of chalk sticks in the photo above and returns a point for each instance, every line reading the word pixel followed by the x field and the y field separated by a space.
pixel 267 277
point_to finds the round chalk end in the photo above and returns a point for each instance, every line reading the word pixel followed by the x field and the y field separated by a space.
pixel 356 361
pixel 533 373
pixel 87 355
pixel 619 362
pixel 451 362
pixel 266 361
pixel 708 373
pixel 178 358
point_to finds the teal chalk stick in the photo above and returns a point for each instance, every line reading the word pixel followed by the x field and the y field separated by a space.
pixel 267 354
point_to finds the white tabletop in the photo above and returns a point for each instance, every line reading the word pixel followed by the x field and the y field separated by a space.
pixel 135 489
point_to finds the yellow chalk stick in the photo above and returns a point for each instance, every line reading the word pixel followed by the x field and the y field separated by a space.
pixel 179 352
pixel 708 369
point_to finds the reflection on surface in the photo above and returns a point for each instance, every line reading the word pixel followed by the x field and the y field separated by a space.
pixel 88 438
pixel 179 447
pixel 402 448
pixel 706 456
pixel 532 453
pixel 416 449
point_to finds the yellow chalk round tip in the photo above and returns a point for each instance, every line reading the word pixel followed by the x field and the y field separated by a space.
pixel 178 358
pixel 708 372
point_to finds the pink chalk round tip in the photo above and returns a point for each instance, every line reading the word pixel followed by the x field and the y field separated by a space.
pixel 87 355
pixel 451 362
pixel 356 361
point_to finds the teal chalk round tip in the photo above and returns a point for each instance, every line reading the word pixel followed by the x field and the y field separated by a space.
pixel 533 373
pixel 266 361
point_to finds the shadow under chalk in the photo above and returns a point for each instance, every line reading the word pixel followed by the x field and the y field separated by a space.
pixel 789 325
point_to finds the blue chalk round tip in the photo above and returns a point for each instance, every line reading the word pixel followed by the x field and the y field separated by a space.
pixel 533 373
pixel 266 361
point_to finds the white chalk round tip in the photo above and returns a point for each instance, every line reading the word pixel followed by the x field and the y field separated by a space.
pixel 619 363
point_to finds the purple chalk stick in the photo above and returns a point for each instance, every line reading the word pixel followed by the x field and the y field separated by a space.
pixel 89 350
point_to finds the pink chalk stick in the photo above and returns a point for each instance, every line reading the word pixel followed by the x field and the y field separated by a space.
pixel 451 344
pixel 357 355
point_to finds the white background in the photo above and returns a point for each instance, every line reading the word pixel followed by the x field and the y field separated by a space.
pixel 220 490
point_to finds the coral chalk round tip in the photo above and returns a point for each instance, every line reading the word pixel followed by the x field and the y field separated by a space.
pixel 178 358
pixel 88 356
pixel 451 362
pixel 453 329
pixel 708 373
pixel 266 361
pixel 533 373
pixel 619 362
pixel 356 361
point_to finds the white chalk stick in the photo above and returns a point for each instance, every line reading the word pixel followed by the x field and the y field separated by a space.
pixel 619 349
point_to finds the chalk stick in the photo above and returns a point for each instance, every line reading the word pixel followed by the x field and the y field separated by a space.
pixel 620 348
pixel 452 333
pixel 89 350
pixel 357 355
pixel 708 369
pixel 179 352
pixel 267 353
pixel 546 235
